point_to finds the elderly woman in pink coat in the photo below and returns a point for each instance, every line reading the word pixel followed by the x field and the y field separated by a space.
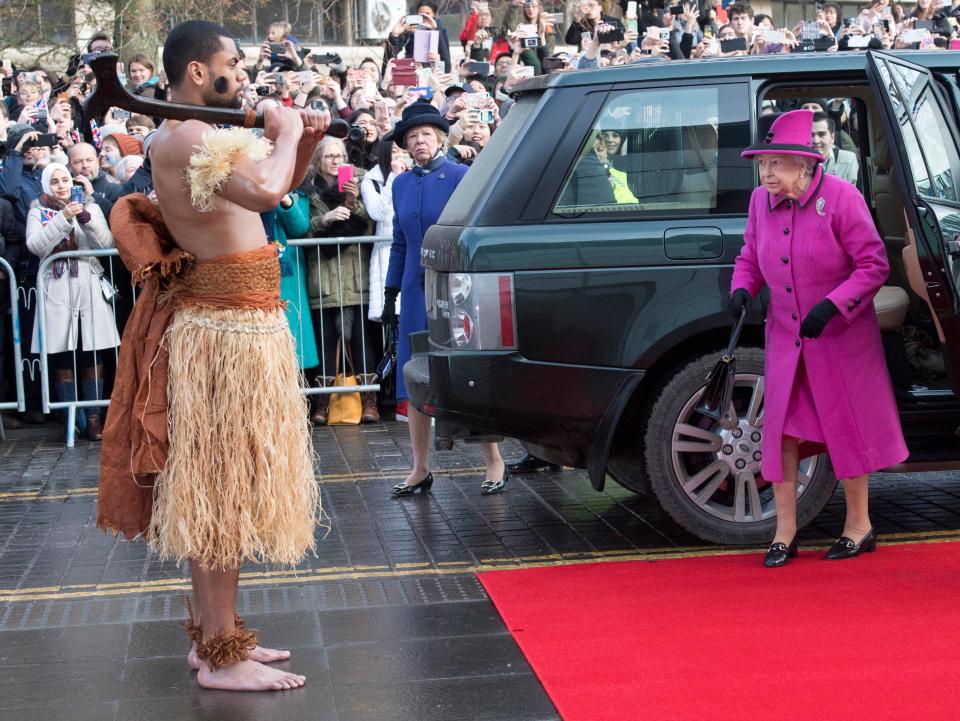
pixel 811 239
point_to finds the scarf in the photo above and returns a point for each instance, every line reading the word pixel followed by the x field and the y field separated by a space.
pixel 49 207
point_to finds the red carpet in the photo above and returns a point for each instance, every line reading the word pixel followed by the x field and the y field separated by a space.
pixel 720 637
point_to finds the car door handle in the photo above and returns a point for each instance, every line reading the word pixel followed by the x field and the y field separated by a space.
pixel 953 245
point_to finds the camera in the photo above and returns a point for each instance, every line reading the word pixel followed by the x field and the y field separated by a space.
pixel 485 115
pixel 533 42
pixel 327 59
pixel 263 91
pixel 319 104
pixel 356 134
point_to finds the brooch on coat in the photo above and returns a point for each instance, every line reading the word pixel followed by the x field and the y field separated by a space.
pixel 821 204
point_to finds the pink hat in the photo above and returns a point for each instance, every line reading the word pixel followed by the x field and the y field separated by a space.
pixel 790 134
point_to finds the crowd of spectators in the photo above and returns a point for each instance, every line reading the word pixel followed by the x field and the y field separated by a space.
pixel 335 292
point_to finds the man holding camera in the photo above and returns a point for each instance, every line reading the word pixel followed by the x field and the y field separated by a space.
pixel 20 177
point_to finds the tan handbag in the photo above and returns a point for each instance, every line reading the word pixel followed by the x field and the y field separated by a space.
pixel 345 408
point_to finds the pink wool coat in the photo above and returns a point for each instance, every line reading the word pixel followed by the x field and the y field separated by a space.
pixel 823 245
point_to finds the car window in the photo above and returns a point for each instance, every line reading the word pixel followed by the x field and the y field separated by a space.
pixel 652 152
pixel 929 145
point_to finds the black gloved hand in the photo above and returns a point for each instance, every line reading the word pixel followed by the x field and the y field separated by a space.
pixel 817 319
pixel 738 301
pixel 389 314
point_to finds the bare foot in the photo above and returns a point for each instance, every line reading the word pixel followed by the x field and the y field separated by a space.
pixel 259 654
pixel 248 676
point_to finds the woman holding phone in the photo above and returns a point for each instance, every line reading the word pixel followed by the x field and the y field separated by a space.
pixel 78 316
pixel 337 276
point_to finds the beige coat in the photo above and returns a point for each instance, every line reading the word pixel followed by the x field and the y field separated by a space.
pixel 73 304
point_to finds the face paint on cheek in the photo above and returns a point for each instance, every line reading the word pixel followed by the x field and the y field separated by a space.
pixel 221 85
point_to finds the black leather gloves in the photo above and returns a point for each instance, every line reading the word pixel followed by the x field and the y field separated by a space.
pixel 817 319
pixel 389 314
pixel 738 301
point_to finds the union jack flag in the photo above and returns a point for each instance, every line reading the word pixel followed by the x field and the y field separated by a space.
pixel 46 215
pixel 95 131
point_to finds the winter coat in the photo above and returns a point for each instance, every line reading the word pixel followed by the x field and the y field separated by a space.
pixel 105 193
pixel 333 278
pixel 73 304
pixel 418 201
pixel 378 200
pixel 19 185
pixel 823 245
pixel 294 222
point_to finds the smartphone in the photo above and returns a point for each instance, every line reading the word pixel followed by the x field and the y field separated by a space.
pixel 305 77
pixel 484 115
pixel 708 32
pixel 526 71
pixel 665 33
pixel 7 65
pixel 119 114
pixel 955 44
pixel 47 140
pixel 612 36
pixel 405 72
pixel 476 68
pixel 277 49
pixel 344 175
pixel 369 89
pixel 676 10
pixel 552 64
pixel 774 36
pixel 426 93
pixel 76 194
pixel 732 45
pixel 632 10
pixel 413 20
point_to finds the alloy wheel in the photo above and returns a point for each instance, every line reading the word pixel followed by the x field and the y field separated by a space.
pixel 717 463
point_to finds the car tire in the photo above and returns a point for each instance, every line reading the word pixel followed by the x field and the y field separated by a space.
pixel 693 462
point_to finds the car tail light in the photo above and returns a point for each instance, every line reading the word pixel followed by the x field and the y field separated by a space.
pixel 481 311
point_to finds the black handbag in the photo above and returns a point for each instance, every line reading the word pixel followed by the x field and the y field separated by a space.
pixel 719 391
pixel 389 361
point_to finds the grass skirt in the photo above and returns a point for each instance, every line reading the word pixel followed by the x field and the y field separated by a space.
pixel 239 483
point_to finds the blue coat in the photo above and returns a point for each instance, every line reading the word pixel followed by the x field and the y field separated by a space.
pixel 418 201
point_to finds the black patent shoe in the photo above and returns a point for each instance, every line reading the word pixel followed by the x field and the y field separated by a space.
pixel 846 548
pixel 402 489
pixel 779 553
pixel 529 464
pixel 488 487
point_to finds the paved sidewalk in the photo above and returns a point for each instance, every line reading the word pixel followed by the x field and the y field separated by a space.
pixel 387 622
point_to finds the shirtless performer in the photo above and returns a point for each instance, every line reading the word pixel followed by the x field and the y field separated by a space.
pixel 207 449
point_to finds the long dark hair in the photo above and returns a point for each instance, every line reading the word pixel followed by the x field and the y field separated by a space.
pixel 385 157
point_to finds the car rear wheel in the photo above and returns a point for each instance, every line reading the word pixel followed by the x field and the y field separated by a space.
pixel 706 473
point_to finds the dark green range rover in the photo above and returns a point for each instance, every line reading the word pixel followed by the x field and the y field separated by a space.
pixel 576 283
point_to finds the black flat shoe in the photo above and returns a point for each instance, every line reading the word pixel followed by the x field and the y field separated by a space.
pixel 402 489
pixel 529 464
pixel 846 548
pixel 488 487
pixel 779 553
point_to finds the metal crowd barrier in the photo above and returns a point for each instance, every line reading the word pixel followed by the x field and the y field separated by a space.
pixel 20 403
pixel 72 406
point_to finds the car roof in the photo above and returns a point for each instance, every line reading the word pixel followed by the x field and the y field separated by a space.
pixel 725 68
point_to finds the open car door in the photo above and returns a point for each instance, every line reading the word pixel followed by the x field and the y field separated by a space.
pixel 926 145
